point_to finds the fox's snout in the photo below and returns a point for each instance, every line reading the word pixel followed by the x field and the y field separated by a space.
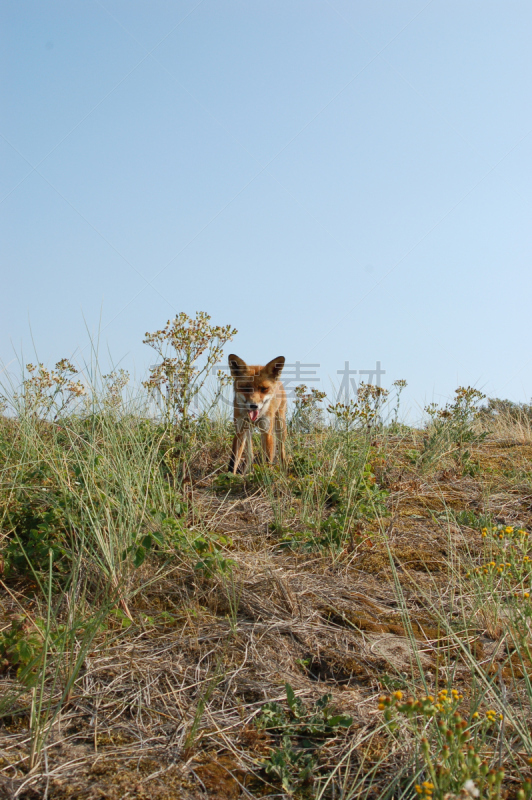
pixel 253 411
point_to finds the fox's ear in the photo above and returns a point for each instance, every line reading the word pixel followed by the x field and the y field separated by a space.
pixel 238 366
pixel 275 367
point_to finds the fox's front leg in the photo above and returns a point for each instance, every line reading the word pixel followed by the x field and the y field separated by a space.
pixel 242 451
pixel 268 445
pixel 239 444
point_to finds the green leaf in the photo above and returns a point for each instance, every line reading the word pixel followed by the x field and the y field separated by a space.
pixel 140 555
pixel 157 536
pixel 340 721
pixel 323 702
pixel 290 697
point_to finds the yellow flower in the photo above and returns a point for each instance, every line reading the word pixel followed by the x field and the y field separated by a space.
pixel 398 695
pixel 509 529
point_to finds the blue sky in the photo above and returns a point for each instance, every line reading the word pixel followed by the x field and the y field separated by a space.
pixel 339 180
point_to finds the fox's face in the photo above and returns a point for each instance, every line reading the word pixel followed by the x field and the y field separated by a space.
pixel 255 386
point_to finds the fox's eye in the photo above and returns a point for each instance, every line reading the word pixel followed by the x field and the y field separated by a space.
pixel 264 389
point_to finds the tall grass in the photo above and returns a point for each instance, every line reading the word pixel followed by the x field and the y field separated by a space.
pixel 83 495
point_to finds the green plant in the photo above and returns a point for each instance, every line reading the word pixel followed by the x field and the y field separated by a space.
pixel 364 499
pixel 141 547
pixel 304 462
pixel 363 412
pixel 38 531
pixel 472 520
pixel 322 489
pixel 453 427
pixel 207 546
pixel 399 386
pixel 48 392
pixel 450 747
pixel 228 482
pixel 263 475
pixel 307 414
pixel 300 731
pixel 114 384
pixel 501 582
pixel 180 376
pixel 20 647
pixel 370 498
pixel 412 456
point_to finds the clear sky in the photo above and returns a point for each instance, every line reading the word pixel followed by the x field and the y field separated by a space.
pixel 339 180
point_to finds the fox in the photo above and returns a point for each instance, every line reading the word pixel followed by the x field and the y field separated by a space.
pixel 259 399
